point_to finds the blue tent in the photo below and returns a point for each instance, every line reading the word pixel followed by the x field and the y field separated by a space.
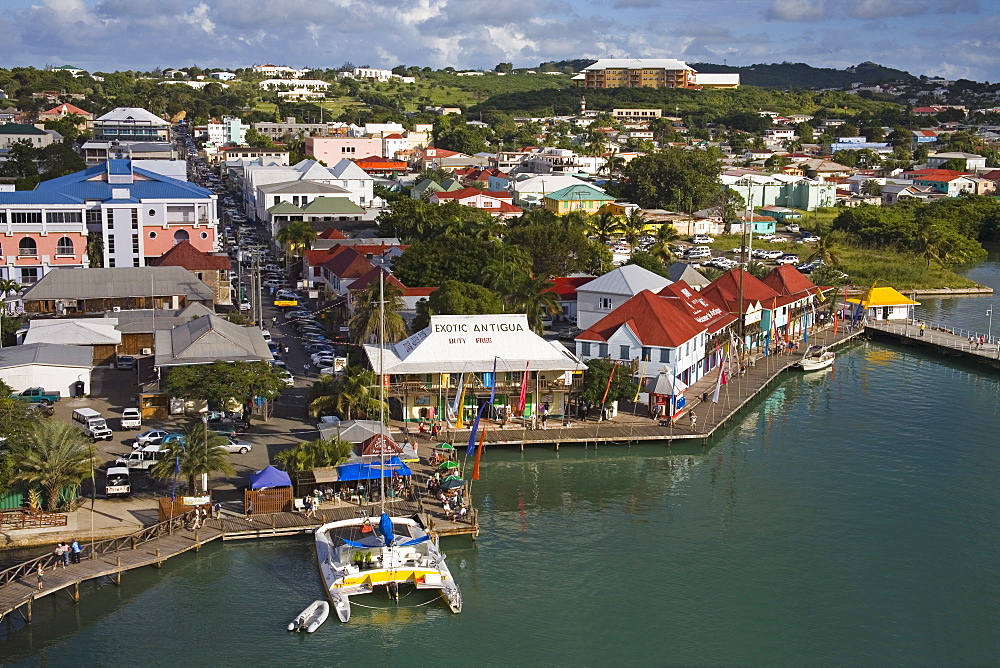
pixel 269 477
pixel 374 471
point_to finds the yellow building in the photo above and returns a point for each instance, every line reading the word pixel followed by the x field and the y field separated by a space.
pixel 638 73
pixel 576 198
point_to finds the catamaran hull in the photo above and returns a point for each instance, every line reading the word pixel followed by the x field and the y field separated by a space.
pixel 418 563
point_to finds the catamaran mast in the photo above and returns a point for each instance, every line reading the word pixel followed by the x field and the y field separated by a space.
pixel 381 387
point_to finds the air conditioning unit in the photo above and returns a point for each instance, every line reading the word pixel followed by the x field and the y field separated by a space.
pixel 147 351
pixel 116 309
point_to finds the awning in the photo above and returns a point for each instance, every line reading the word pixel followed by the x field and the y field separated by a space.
pixel 877 297
pixel 394 466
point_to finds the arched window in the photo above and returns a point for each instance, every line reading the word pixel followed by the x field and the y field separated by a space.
pixel 64 246
pixel 180 235
pixel 27 246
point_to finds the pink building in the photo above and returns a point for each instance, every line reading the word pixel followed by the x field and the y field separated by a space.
pixel 332 150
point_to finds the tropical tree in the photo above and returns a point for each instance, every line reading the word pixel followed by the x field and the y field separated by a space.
pixel 457 298
pixel 665 236
pixel 219 383
pixel 200 452
pixel 535 297
pixel 295 238
pixel 53 455
pixel 597 391
pixel 633 226
pixel 675 178
pixel 355 392
pixel 315 454
pixel 364 324
pixel 604 226
pixel 757 269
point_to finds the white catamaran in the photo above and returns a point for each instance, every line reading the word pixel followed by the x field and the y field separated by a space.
pixel 357 555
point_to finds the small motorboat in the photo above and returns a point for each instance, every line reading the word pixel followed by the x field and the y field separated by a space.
pixel 311 618
pixel 816 358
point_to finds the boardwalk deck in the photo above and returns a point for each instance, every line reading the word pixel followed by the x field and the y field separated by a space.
pixel 941 339
pixel 629 428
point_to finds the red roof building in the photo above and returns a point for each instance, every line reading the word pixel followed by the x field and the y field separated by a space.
pixel 378 166
pixel 209 268
pixel 496 202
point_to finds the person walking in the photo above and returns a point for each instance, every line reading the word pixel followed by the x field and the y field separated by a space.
pixel 217 510
pixel 274 321
pixel 41 576
pixel 922 328
pixel 249 511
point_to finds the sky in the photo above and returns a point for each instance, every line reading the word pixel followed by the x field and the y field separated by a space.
pixel 950 38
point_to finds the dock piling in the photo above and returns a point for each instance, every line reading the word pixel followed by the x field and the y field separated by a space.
pixel 159 562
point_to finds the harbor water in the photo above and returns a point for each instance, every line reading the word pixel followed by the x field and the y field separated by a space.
pixel 847 517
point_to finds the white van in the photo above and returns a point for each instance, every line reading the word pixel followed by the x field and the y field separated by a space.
pixel 117 482
pixel 142 459
pixel 94 425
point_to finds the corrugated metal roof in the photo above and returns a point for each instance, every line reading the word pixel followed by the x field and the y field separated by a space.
pixel 628 280
pixel 210 339
pixel 332 205
pixel 75 332
pixel 301 187
pixel 117 282
pixel 50 354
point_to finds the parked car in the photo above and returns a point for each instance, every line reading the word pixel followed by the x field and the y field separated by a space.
pixel 150 437
pixel 236 446
pixel 125 362
pixel 788 258
pixel 131 419
pixel 702 239
pixel 288 377
pixel 808 238
pixel 244 306
pixel 772 255
pixel 697 253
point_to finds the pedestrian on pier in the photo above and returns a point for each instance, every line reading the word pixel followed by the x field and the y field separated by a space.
pixel 75 549
pixel 249 511
pixel 41 576
pixel 922 328
pixel 217 510
pixel 694 421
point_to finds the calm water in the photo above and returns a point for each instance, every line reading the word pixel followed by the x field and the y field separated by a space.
pixel 848 518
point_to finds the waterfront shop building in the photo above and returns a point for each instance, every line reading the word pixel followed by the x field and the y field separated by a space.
pixel 676 333
pixel 457 359
pixel 884 304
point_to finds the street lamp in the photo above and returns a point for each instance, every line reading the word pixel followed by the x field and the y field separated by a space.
pixel 989 331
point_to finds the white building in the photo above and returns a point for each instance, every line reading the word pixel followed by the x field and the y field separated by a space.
pixel 222 76
pixel 55 367
pixel 462 351
pixel 605 293
pixel 310 84
pixel 372 73
pixel 278 71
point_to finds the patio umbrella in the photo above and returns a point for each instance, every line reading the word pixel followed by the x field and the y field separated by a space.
pixel 448 465
pixel 444 446
pixel 452 483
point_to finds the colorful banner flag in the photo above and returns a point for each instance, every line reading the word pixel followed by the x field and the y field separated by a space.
pixel 522 400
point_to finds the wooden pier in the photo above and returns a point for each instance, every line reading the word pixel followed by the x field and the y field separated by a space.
pixel 157 543
pixel 628 428
pixel 940 339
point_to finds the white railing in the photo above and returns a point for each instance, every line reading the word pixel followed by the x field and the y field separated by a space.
pixel 939 334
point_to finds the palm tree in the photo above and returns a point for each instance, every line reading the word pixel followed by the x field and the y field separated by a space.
pixel 665 236
pixel 364 324
pixel 354 391
pixel 7 286
pixel 535 297
pixel 605 226
pixel 633 227
pixel 757 269
pixel 314 454
pixel 201 451
pixel 54 455
pixel 296 238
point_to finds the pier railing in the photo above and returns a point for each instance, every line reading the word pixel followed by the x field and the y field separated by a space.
pixel 91 550
pixel 951 337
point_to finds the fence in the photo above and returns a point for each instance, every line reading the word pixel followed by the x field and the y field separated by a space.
pixel 91 550
pixel 25 518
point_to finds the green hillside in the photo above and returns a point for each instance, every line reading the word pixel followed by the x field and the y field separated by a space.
pixel 801 75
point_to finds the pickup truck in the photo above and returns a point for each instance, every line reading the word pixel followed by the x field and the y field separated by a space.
pixel 36 395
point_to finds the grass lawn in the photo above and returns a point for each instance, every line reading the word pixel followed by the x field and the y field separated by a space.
pixel 902 271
